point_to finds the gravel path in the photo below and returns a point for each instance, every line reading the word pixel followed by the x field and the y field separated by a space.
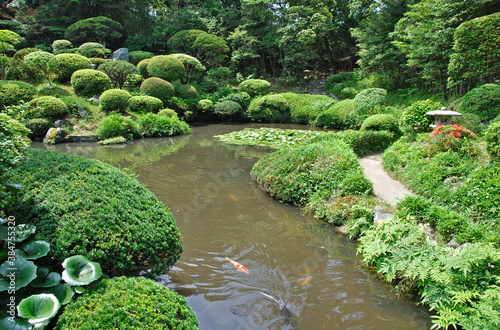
pixel 384 186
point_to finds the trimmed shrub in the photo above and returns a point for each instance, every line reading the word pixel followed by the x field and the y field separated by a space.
pixel 61 44
pixel 366 142
pixel 367 101
pixel 116 125
pixel 21 53
pixel 492 137
pixel 49 106
pixel 97 61
pixel 186 92
pixel 13 92
pixel 69 63
pixel 254 87
pixel 348 93
pixel 154 306
pixel 305 108
pixel 114 99
pixel 155 125
pixel 138 55
pixel 118 71
pixel 483 101
pixel 158 88
pixel 90 82
pixel 381 122
pixel 338 116
pixel 228 110
pixel 269 108
pixel 242 98
pixel 205 105
pixel 144 103
pixel 38 127
pixel 142 67
pixel 87 207
pixel 166 67
pixel 415 117
pixel 167 113
pixel 134 81
pixel 93 49
pixel 43 62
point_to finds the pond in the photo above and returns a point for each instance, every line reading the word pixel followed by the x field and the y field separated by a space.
pixel 301 273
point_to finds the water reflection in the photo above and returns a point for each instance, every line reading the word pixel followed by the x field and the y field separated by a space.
pixel 222 213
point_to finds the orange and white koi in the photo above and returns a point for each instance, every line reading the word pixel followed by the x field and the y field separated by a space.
pixel 238 266
pixel 307 280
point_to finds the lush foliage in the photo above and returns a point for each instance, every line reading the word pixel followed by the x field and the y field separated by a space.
pixel 12 143
pixel 483 101
pixel 453 137
pixel 380 122
pixel 158 125
pixel 127 231
pixel 415 116
pixel 116 125
pixel 118 71
pixel 48 106
pixel 69 63
pixel 145 103
pixel 166 67
pixel 93 49
pixel 100 29
pixel 158 88
pixel 114 99
pixel 187 91
pixel 340 116
pixel 270 108
pixel 254 87
pixel 14 92
pixel 272 137
pixel 61 45
pixel 228 110
pixel 367 101
pixel 90 82
pixel 154 307
pixel 306 108
pixel 492 137
pixel 138 55
pixel 44 62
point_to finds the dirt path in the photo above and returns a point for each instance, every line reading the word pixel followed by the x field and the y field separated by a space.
pixel 384 186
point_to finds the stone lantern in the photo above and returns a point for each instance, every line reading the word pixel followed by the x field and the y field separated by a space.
pixel 443 116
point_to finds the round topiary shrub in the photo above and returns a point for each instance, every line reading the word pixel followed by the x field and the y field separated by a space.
pixel 61 44
pixel 254 87
pixel 166 67
pixel 142 67
pixel 144 103
pixel 90 82
pixel 154 306
pixel 242 98
pixel 415 116
pixel 338 116
pixel 366 101
pixel 136 56
pixel 205 105
pixel 87 207
pixel 492 137
pixel 69 63
pixel 96 62
pixel 116 125
pixel 114 99
pixel 21 53
pixel 38 127
pixel 49 106
pixel 118 71
pixel 187 92
pixel 380 122
pixel 157 87
pixel 483 101
pixel 269 108
pixel 133 81
pixel 348 93
pixel 93 49
pixel 13 92
pixel 228 110
pixel 167 113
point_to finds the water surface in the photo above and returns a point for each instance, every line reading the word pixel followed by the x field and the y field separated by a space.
pixel 221 213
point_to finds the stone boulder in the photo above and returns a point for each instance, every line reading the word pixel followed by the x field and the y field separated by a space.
pixel 55 135
pixel 121 54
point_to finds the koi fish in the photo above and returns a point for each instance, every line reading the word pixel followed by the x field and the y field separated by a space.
pixel 284 311
pixel 306 281
pixel 233 198
pixel 238 266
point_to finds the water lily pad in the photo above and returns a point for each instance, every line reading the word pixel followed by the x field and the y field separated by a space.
pixel 38 308
pixel 78 270
pixel 17 324
pixel 44 279
pixel 21 270
pixel 36 249
pixel 63 292
pixel 21 232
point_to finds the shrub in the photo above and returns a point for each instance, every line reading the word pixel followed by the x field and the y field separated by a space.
pixel 167 113
pixel 115 140
pixel 13 92
pixel 49 106
pixel 306 108
pixel 138 55
pixel 381 122
pixel 254 87
pixel 242 98
pixel 367 101
pixel 93 49
pixel 97 61
pixel 114 99
pixel 12 142
pixel 84 206
pixel 166 67
pixel 452 137
pixel 90 82
pixel 143 104
pixel 187 92
pixel 134 81
pixel 362 142
pixel 492 137
pixel 154 306
pixel 21 53
pixel 348 93
pixel 415 117
pixel 483 101
pixel 228 110
pixel 205 105
pixel 338 116
pixel 118 71
pixel 269 108
pixel 155 125
pixel 142 67
pixel 61 44
pixel 69 63
pixel 116 125
pixel 46 63
pixel 216 78
pixel 38 127
pixel 158 88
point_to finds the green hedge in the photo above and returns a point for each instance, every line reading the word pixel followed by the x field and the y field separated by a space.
pixel 166 67
pixel 12 92
pixel 381 122
pixel 90 82
pixel 254 87
pixel 84 206
pixel 129 303
pixel 338 116
pixel 228 110
pixel 49 106
pixel 306 108
pixel 368 101
pixel 269 109
pixel 114 99
pixel 158 88
pixel 145 103
pixel 69 63
pixel 93 49
pixel 187 91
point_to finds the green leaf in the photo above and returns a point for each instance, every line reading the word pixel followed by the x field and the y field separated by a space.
pixel 80 289
pixel 44 279
pixel 16 234
pixel 63 292
pixel 36 249
pixel 38 308
pixel 18 324
pixel 78 270
pixel 20 270
pixel 13 187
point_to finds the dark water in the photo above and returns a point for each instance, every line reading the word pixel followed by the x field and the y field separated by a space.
pixel 221 213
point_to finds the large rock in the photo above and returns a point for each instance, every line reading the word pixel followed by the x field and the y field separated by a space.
pixel 121 54
pixel 55 135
